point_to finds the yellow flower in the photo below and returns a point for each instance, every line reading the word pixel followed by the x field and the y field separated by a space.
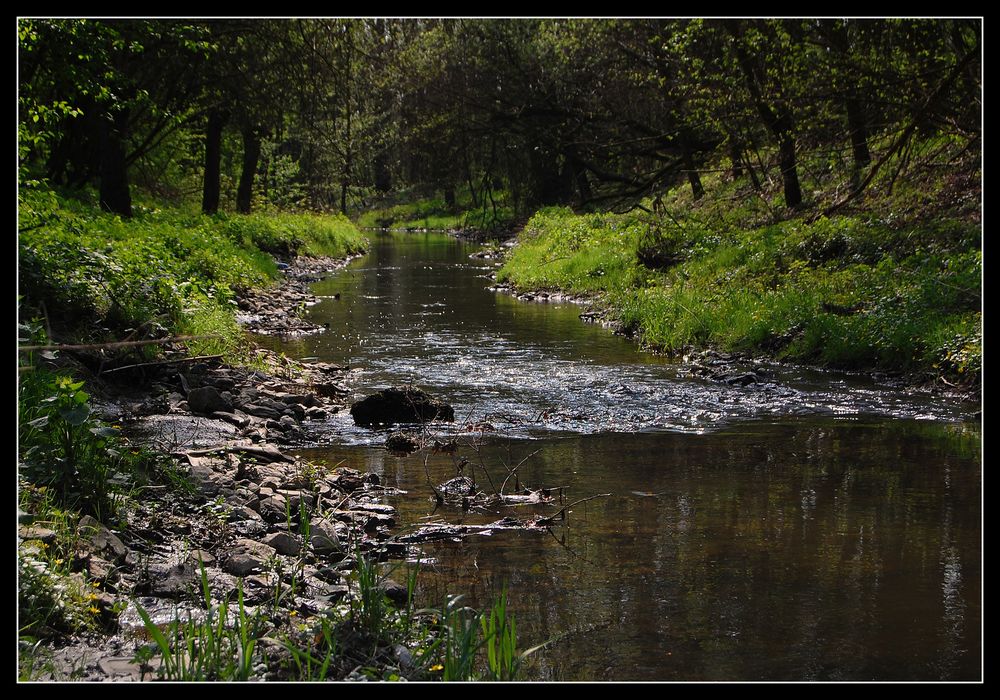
pixel 58 562
pixel 437 667
pixel 91 596
pixel 293 613
pixel 93 610
pixel 96 584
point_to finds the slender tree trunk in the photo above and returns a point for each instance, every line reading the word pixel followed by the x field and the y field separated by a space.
pixel 383 177
pixel 213 162
pixel 735 158
pixel 778 122
pixel 449 198
pixel 579 174
pixel 251 155
pixel 694 178
pixel 789 170
pixel 859 139
pixel 114 192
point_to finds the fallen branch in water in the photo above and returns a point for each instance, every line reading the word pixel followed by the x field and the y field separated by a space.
pixel 561 513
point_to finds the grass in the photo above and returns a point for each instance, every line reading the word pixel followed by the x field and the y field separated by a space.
pixel 456 643
pixel 212 648
pixel 862 290
pixel 94 276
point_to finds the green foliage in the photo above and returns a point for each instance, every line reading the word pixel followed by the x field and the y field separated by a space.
pixel 86 464
pixel 435 214
pixel 52 598
pixel 851 292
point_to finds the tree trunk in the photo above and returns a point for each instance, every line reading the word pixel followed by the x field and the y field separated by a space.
pixel 694 178
pixel 778 121
pixel 859 139
pixel 383 177
pixel 251 155
pixel 449 198
pixel 114 194
pixel 735 158
pixel 789 171
pixel 579 174
pixel 213 162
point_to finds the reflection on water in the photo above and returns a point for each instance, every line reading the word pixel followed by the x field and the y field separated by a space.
pixel 800 549
pixel 819 527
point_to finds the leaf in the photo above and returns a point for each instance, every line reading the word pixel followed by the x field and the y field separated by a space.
pixel 81 397
pixel 39 422
pixel 104 431
pixel 77 415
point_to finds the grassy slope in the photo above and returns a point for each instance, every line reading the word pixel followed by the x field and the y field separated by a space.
pixel 894 287
pixel 98 277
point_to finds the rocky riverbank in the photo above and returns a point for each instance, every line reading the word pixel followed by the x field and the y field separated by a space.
pixel 243 514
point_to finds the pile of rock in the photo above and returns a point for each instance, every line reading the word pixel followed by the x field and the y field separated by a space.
pixel 247 404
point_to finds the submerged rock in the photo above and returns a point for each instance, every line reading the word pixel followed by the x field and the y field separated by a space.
pixel 399 405
pixel 401 443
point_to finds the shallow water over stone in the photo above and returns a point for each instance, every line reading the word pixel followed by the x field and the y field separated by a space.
pixel 813 525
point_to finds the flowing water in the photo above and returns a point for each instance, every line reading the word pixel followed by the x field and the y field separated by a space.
pixel 813 526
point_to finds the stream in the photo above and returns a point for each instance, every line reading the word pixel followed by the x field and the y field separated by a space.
pixel 812 526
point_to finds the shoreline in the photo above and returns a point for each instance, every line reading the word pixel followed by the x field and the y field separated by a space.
pixel 253 518
pixel 726 369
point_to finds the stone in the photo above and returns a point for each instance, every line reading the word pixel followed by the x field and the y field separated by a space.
pixel 745 379
pixel 307 400
pixel 240 420
pixel 331 391
pixel 283 543
pixel 207 400
pixel 261 411
pixel 401 443
pixel 325 535
pixel 399 405
pixel 396 592
pixel 197 557
pixel 273 509
pixel 37 532
pixel 100 569
pixel 247 556
pixel 241 564
pixel 176 581
pixel 101 540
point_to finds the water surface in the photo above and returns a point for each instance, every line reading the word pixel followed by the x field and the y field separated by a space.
pixel 817 526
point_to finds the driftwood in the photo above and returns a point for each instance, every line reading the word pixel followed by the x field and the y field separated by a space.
pixel 176 361
pixel 445 531
pixel 115 344
pixel 265 452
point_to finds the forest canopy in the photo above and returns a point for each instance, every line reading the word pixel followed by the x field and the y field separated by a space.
pixel 325 114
